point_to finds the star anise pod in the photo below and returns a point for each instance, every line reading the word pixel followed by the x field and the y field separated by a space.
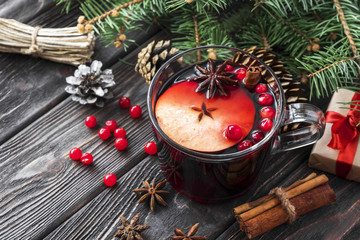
pixel 153 192
pixel 130 231
pixel 180 235
pixel 213 80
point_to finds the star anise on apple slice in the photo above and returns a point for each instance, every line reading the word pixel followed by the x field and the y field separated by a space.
pixel 213 80
pixel 203 111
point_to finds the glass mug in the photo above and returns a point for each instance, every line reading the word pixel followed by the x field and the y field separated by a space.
pixel 214 177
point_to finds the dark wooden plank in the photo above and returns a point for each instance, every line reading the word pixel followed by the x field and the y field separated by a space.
pixel 335 221
pixel 24 10
pixel 338 220
pixel 97 220
pixel 30 87
pixel 41 186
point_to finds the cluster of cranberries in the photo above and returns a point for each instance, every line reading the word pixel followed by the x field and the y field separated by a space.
pixel 76 154
pixel 135 110
pixel 119 133
pixel 267 113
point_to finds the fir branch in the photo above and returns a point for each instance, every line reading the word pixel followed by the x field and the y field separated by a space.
pixel 197 38
pixel 345 26
pixel 116 9
pixel 330 68
pixel 200 6
pixel 284 8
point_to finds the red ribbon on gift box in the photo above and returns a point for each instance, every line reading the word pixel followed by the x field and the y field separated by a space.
pixel 345 136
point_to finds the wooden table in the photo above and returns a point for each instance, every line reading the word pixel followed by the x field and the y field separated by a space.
pixel 45 195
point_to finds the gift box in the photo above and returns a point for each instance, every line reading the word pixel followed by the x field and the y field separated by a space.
pixel 338 151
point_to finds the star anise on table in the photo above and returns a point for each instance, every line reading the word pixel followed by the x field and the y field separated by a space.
pixel 213 79
pixel 203 111
pixel 180 235
pixel 130 231
pixel 152 192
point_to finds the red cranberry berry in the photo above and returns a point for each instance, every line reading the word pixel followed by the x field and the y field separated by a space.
pixel 261 88
pixel 233 132
pixel 110 179
pixel 266 99
pixel 240 74
pixel 104 133
pixel 257 136
pixel 150 148
pixel 121 143
pixel 267 112
pixel 87 158
pixel 90 121
pixel 135 111
pixel 75 154
pixel 119 133
pixel 266 125
pixel 124 102
pixel 111 125
pixel 244 145
pixel 229 68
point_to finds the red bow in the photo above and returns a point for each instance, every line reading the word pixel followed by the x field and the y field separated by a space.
pixel 345 136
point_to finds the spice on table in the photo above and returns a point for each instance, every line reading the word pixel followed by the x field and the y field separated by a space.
pixel 152 191
pixel 130 230
pixel 180 235
pixel 282 205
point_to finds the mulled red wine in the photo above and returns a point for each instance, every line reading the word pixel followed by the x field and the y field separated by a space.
pixel 216 108
pixel 227 121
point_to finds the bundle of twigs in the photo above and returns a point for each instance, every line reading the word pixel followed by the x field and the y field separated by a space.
pixel 64 45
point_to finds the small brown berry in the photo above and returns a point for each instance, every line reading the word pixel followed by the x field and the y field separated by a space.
pixel 81 28
pixel 81 19
pixel 117 44
pixel 122 37
pixel 304 80
pixel 333 36
pixel 114 13
pixel 88 27
pixel 315 47
pixel 316 40
pixel 212 53
pixel 308 47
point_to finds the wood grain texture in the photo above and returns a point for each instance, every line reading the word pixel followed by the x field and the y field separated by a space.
pixel 181 212
pixel 24 10
pixel 44 194
pixel 335 221
pixel 41 186
pixel 30 87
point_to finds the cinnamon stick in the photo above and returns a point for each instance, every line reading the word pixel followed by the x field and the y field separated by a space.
pixel 276 216
pixel 252 75
pixel 299 187
pixel 247 206
pixel 302 196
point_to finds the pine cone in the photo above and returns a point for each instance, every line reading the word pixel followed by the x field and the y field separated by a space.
pixel 152 57
pixel 292 88
pixel 89 85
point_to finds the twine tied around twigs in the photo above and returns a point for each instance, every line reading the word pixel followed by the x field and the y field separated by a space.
pixel 285 203
pixel 34 50
pixel 64 45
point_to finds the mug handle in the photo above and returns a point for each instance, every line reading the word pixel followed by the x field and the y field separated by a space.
pixel 295 113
